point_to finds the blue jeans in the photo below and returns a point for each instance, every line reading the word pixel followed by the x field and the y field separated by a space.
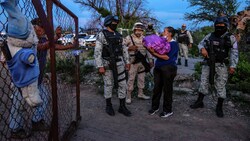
pixel 18 25
pixel 17 116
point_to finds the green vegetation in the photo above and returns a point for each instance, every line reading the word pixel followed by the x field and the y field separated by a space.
pixel 198 35
pixel 207 10
pixel 65 68
pixel 90 55
pixel 197 73
pixel 241 77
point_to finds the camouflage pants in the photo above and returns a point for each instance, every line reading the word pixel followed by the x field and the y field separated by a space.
pixel 135 69
pixel 220 80
pixel 109 82
pixel 183 51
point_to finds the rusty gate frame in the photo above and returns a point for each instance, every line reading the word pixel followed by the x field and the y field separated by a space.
pixel 47 21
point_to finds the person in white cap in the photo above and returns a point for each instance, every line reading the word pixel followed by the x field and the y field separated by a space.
pixel 134 44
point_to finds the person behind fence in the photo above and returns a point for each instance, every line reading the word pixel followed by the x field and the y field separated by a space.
pixel 112 60
pixel 135 46
pixel 185 41
pixel 38 118
pixel 215 48
pixel 165 71
pixel 21 58
pixel 42 50
pixel 21 53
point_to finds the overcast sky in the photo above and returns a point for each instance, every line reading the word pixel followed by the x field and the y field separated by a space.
pixel 170 12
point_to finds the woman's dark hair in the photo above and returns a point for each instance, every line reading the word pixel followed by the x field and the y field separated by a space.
pixel 171 30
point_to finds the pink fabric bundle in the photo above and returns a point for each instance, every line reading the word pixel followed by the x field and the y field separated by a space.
pixel 159 44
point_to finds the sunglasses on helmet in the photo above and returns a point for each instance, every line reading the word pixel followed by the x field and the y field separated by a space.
pixel 116 18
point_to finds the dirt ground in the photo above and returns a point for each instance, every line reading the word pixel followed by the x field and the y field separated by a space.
pixel 184 125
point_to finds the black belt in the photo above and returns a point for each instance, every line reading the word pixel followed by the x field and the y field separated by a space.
pixel 182 42
pixel 118 59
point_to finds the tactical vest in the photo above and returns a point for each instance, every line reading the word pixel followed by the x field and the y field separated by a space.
pixel 221 46
pixel 113 46
pixel 183 37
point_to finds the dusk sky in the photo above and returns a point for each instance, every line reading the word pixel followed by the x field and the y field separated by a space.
pixel 170 12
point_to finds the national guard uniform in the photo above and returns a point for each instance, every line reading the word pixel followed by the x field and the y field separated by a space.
pixel 137 69
pixel 106 39
pixel 226 52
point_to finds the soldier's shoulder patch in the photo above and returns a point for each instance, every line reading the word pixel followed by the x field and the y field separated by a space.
pixel 233 38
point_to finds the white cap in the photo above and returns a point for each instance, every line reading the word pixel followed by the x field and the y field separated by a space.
pixel 138 25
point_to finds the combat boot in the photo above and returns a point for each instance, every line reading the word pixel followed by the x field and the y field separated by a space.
pixel 141 95
pixel 128 97
pixel 123 109
pixel 179 61
pixel 109 108
pixel 199 102
pixel 219 111
pixel 186 63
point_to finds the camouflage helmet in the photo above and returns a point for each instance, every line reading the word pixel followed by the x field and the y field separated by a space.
pixel 138 25
pixel 223 20
pixel 109 19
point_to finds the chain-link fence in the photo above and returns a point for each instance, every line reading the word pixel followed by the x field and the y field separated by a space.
pixel 58 81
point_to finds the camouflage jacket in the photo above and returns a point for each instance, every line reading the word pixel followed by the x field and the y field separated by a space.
pixel 100 62
pixel 234 57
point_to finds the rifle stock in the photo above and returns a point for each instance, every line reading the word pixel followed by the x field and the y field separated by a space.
pixel 113 67
pixel 141 58
pixel 5 50
pixel 112 61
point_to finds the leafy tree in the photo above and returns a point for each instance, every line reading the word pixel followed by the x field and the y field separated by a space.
pixel 198 35
pixel 207 10
pixel 128 11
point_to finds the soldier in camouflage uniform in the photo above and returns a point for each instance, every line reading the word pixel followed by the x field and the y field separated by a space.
pixel 185 41
pixel 134 44
pixel 102 53
pixel 223 42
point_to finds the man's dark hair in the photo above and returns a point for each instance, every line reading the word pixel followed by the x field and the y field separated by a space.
pixel 171 30
pixel 37 21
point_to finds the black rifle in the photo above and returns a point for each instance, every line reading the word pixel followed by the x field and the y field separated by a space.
pixel 211 63
pixel 5 50
pixel 141 58
pixel 112 60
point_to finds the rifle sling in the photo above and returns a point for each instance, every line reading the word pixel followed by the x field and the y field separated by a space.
pixel 119 80
pixel 141 71
pixel 132 40
pixel 134 45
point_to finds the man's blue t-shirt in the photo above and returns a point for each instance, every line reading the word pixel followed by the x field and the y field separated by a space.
pixel 42 59
pixel 173 54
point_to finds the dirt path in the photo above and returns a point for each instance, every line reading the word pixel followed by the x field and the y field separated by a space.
pixel 185 124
